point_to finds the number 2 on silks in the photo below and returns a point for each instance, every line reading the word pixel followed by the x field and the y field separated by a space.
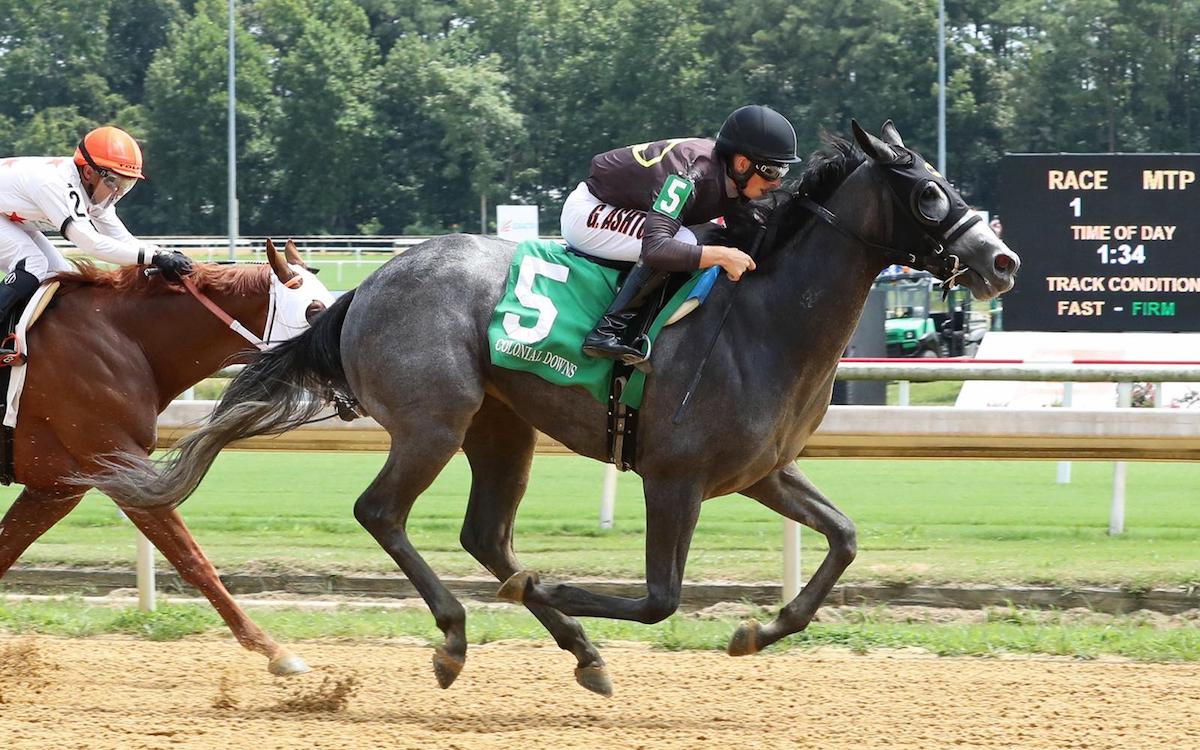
pixel 531 268
pixel 674 194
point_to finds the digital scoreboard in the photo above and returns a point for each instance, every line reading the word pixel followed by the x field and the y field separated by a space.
pixel 1108 242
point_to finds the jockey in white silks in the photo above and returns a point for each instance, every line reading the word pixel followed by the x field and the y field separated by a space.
pixel 76 197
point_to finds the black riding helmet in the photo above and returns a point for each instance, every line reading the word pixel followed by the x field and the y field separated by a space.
pixel 760 133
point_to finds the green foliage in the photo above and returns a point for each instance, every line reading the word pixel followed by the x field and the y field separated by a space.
pixel 54 54
pixel 399 115
pixel 54 130
pixel 135 32
pixel 326 79
pixel 186 89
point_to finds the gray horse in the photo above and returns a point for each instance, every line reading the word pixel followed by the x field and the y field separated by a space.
pixel 411 345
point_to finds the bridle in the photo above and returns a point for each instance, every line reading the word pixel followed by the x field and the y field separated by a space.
pixel 229 320
pixel 346 406
pixel 906 177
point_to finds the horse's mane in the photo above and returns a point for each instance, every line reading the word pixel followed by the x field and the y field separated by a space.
pixel 209 277
pixel 826 169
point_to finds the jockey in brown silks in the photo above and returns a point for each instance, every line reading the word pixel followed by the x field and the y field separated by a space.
pixel 637 202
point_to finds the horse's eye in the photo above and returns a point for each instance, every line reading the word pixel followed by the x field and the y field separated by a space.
pixel 933 204
pixel 315 308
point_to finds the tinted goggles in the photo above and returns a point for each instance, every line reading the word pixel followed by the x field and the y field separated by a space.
pixel 771 172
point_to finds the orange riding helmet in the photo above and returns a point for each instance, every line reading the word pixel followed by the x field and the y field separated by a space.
pixel 111 149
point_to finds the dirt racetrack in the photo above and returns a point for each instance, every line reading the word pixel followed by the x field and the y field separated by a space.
pixel 207 693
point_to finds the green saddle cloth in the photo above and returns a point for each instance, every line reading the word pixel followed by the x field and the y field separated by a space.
pixel 552 301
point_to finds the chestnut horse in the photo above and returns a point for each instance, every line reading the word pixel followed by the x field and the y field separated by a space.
pixel 106 360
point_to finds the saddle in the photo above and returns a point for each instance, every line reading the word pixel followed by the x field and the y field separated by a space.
pixel 622 419
pixel 553 298
pixel 12 374
pixel 14 331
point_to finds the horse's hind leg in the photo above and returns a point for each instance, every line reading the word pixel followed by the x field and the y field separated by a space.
pixel 30 516
pixel 672 509
pixel 789 493
pixel 499 446
pixel 166 531
pixel 412 465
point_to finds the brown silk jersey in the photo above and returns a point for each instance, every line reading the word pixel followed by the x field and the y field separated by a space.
pixel 633 176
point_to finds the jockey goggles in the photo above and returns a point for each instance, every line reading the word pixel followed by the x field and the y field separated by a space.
pixel 771 172
pixel 118 184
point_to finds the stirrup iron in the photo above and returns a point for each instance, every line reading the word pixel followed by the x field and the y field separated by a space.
pixel 642 361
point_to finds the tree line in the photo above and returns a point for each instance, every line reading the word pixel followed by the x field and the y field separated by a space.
pixel 401 116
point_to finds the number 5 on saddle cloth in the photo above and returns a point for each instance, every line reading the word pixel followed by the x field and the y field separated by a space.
pixel 552 300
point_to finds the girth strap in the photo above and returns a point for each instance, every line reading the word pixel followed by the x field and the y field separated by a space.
pixel 621 422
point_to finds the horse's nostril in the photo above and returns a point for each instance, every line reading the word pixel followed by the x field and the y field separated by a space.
pixel 1004 263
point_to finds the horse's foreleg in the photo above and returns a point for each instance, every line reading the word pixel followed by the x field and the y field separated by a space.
pixel 672 509
pixel 166 530
pixel 500 447
pixel 30 516
pixel 383 511
pixel 790 494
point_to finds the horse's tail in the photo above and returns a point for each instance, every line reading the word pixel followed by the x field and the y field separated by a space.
pixel 281 389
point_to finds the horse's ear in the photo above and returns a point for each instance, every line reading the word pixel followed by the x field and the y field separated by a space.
pixel 874 148
pixel 278 264
pixel 891 135
pixel 293 255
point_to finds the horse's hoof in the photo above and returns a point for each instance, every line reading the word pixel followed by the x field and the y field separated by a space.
pixel 287 664
pixel 445 667
pixel 594 679
pixel 745 639
pixel 513 589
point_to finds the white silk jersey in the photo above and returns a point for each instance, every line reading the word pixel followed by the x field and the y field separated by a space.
pixel 47 194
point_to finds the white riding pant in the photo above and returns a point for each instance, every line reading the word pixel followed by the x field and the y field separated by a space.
pixel 19 243
pixel 598 229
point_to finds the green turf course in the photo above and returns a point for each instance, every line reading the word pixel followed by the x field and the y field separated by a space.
pixel 339 271
pixel 1001 631
pixel 342 272
pixel 919 522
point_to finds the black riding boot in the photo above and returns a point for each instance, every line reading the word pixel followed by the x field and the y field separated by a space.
pixel 18 286
pixel 607 338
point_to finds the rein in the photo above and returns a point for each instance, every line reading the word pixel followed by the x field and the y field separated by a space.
pixel 948 264
pixel 345 407
pixel 765 231
pixel 228 320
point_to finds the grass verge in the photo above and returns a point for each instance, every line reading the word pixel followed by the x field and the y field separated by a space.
pixel 988 522
pixel 861 631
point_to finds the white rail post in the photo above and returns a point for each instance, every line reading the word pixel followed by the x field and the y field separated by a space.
pixel 145 573
pixel 608 496
pixel 1064 467
pixel 1116 514
pixel 904 392
pixel 792 582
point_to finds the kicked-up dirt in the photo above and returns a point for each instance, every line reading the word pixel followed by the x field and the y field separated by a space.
pixel 127 694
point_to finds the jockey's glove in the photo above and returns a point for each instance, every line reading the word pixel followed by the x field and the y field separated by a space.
pixel 173 265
